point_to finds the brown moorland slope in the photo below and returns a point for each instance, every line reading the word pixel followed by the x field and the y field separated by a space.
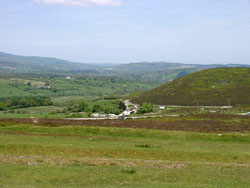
pixel 214 87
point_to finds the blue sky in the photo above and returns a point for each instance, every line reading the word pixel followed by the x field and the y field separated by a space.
pixel 124 31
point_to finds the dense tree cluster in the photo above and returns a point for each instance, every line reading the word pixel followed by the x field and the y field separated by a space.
pixel 122 105
pixel 145 108
pixel 24 102
pixel 120 108
pixel 113 111
pixel 80 106
pixel 97 108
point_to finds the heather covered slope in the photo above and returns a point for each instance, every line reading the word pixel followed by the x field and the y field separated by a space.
pixel 207 87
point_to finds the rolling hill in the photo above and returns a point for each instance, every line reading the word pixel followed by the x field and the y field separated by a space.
pixel 155 73
pixel 219 86
pixel 161 72
pixel 31 64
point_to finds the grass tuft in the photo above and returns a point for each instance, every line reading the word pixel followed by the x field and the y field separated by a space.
pixel 128 171
pixel 143 146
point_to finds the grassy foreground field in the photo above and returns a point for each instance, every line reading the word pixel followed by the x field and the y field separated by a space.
pixel 77 156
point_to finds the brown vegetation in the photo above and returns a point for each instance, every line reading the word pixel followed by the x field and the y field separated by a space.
pixel 214 87
pixel 209 123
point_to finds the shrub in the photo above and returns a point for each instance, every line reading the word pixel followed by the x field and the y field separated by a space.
pixel 145 108
pixel 96 108
pixel 122 106
pixel 129 171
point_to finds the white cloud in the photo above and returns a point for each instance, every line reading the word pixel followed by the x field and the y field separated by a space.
pixel 83 3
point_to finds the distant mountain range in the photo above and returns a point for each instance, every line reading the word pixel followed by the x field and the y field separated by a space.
pixel 220 86
pixel 22 64
pixel 155 72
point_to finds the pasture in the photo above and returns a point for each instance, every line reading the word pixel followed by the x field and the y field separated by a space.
pixel 90 156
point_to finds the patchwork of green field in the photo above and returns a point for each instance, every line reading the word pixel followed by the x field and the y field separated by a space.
pixel 76 156
pixel 58 86
pixel 57 110
pixel 179 113
pixel 38 112
pixel 61 101
pixel 7 90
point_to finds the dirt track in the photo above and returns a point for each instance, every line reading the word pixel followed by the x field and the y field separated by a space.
pixel 183 125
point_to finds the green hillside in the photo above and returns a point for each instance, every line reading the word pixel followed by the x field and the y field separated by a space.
pixel 155 73
pixel 8 90
pixel 207 87
pixel 30 64
pixel 159 73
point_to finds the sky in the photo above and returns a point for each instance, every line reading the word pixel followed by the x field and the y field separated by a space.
pixel 127 31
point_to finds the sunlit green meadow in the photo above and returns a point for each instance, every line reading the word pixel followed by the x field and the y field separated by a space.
pixel 76 156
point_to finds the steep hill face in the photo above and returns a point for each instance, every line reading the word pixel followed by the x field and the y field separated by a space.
pixel 219 86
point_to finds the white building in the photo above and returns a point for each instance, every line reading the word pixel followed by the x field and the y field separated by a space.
pixel 162 107
pixel 111 115
pixel 126 113
pixel 95 115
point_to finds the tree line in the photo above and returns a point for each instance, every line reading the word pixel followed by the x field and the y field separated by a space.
pixel 24 102
pixel 82 106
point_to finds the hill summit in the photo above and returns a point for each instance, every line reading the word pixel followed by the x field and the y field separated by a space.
pixel 219 86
